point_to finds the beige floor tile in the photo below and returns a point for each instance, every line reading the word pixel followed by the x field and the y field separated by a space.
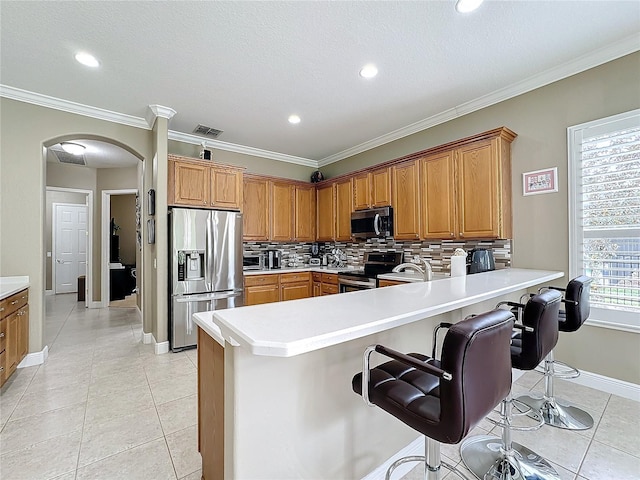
pixel 183 446
pixel 197 475
pixel 33 403
pixel 100 408
pixel 18 383
pixel 178 414
pixel 620 426
pixel 7 406
pixel 167 371
pixel 27 431
pixel 562 447
pixel 48 378
pixel 529 379
pixel 43 460
pixel 117 382
pixel 123 366
pixel 177 387
pixel 604 462
pixel 103 439
pixel 66 476
pixel 579 395
pixel 145 462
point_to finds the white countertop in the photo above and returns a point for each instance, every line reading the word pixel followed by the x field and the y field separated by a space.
pixel 285 329
pixel 11 285
pixel 296 269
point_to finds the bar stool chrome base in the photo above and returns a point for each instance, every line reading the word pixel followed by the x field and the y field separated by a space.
pixel 432 462
pixel 558 414
pixel 486 458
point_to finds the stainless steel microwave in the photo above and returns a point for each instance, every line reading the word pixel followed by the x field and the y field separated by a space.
pixel 376 222
pixel 253 261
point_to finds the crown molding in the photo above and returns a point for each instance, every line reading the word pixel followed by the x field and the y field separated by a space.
pixel 71 107
pixel 232 147
pixel 593 59
pixel 155 111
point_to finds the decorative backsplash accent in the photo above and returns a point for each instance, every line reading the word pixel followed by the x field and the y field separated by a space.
pixel 437 252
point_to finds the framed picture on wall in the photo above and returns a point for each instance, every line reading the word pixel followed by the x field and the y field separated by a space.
pixel 540 181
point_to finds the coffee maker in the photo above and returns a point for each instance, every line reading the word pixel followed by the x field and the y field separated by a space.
pixel 315 254
pixel 273 259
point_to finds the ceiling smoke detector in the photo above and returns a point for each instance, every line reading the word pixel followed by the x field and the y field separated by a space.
pixel 207 131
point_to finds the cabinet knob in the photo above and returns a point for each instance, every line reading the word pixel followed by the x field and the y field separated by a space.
pixel 14 302
pixel 1 369
pixel 1 334
pixel 462 235
pixel 452 234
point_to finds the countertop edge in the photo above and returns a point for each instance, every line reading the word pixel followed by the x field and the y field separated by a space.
pixel 11 285
pixel 236 335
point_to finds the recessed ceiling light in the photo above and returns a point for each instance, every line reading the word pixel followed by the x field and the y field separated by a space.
pixel 369 71
pixel 73 148
pixel 466 6
pixel 294 119
pixel 87 59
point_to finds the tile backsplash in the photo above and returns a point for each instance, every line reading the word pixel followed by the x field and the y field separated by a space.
pixel 437 252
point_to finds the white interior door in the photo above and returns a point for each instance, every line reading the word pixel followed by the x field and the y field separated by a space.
pixel 70 246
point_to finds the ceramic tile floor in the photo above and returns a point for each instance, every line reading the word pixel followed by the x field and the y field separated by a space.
pixel 608 451
pixel 103 406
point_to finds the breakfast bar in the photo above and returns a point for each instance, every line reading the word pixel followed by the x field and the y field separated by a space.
pixel 274 384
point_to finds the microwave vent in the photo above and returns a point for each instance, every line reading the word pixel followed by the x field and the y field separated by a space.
pixel 64 157
pixel 207 131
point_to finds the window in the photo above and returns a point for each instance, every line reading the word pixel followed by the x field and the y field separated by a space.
pixel 604 216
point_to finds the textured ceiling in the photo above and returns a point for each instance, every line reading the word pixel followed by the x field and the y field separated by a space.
pixel 244 67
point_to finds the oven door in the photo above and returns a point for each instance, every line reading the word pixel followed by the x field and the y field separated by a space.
pixel 351 285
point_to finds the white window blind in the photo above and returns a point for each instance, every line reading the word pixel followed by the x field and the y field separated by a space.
pixel 604 213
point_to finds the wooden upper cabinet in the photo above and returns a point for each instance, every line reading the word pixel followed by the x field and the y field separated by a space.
pixel 199 183
pixel 484 189
pixel 406 200
pixel 305 213
pixel 343 210
pixel 226 188
pixel 325 218
pixel 437 178
pixel 381 187
pixel 282 211
pixel 255 217
pixel 361 191
pixel 372 189
pixel 190 185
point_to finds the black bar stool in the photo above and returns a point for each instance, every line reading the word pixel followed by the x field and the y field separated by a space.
pixel 443 399
pixel 490 457
pixel 556 411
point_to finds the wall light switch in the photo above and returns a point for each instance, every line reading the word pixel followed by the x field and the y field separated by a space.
pixel 48 254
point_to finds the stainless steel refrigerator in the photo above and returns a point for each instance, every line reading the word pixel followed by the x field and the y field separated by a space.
pixel 205 268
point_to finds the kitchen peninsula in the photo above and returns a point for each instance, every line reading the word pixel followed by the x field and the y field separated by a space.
pixel 274 385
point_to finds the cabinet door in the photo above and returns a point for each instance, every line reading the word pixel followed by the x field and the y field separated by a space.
pixel 477 172
pixel 305 213
pixel 325 225
pixel 406 206
pixel 281 212
pixel 226 188
pixel 12 343
pixel 191 184
pixel 261 294
pixel 317 289
pixel 381 187
pixel 23 332
pixel 255 210
pixel 294 291
pixel 361 191
pixel 438 196
pixel 343 210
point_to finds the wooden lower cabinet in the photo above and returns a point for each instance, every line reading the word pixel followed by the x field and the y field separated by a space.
pixel 210 406
pixel 329 283
pixel 295 285
pixel 389 283
pixel 260 289
pixel 14 332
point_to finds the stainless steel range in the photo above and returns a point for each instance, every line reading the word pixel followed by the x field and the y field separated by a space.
pixel 375 263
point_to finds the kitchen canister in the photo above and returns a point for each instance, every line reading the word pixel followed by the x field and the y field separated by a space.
pixel 459 263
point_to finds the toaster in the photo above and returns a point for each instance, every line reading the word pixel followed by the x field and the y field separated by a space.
pixel 314 262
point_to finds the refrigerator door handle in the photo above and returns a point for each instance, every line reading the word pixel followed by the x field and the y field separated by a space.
pixel 209 252
pixel 207 297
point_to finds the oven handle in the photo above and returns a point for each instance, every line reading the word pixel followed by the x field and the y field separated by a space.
pixel 355 283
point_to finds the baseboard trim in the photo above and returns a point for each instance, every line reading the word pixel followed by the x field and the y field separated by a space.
pixel 96 305
pixel 414 448
pixel 36 358
pixel 48 292
pixel 607 384
pixel 158 348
